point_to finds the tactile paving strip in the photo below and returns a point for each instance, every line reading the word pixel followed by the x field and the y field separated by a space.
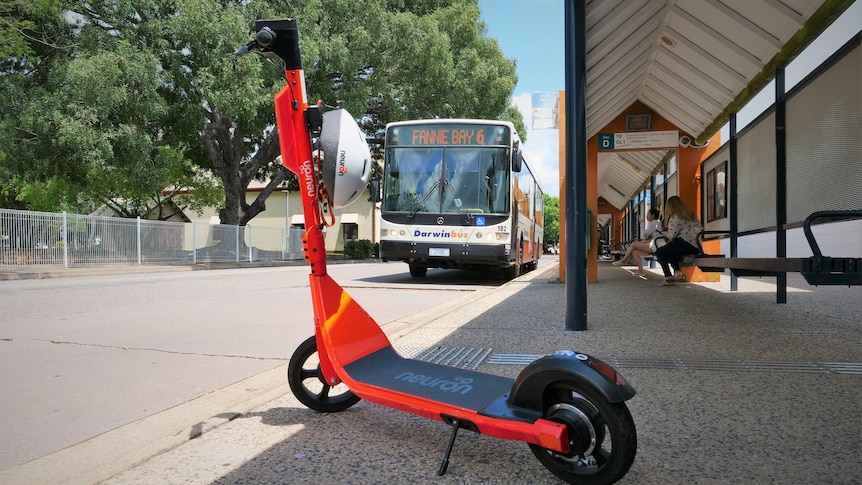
pixel 854 368
pixel 471 357
pixel 463 357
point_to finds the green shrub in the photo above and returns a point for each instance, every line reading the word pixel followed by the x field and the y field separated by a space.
pixel 358 249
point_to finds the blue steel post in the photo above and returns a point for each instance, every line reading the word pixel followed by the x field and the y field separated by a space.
pixel 780 182
pixel 653 204
pixel 576 165
pixel 730 185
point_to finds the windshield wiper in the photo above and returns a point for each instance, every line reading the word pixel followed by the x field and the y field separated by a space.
pixel 421 203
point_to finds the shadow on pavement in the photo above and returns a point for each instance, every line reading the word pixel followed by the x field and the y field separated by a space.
pixel 769 423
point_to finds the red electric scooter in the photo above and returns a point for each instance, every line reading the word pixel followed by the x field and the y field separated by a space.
pixel 569 407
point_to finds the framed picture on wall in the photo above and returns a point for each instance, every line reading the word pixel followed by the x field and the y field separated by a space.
pixel 716 193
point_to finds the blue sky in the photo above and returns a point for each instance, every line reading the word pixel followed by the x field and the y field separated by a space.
pixel 531 32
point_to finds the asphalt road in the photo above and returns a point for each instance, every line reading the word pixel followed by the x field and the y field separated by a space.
pixel 81 356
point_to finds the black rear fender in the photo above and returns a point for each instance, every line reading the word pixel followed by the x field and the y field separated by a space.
pixel 568 366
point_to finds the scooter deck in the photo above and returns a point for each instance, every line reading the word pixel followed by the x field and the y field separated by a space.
pixel 449 385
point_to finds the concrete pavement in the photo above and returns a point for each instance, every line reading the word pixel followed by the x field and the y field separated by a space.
pixel 732 388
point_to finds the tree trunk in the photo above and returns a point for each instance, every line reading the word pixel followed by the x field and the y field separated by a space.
pixel 226 148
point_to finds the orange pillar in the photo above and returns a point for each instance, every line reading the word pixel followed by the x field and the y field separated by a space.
pixel 689 160
pixel 592 200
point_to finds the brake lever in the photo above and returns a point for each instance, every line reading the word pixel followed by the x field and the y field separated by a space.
pixel 246 49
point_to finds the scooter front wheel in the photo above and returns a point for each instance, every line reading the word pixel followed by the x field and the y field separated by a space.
pixel 602 435
pixel 310 387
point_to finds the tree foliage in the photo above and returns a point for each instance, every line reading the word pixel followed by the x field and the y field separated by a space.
pixel 130 97
pixel 397 60
pixel 22 25
pixel 86 119
pixel 552 221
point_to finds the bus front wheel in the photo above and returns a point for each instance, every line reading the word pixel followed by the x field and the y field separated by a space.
pixel 417 271
pixel 512 272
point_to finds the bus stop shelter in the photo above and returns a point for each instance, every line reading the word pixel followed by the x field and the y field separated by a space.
pixel 650 83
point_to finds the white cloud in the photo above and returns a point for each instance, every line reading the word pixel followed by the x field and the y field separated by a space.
pixel 542 148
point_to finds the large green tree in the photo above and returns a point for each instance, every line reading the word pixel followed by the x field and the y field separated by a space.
pixel 149 96
pixel 552 221
pixel 84 119
pixel 29 33
pixel 396 60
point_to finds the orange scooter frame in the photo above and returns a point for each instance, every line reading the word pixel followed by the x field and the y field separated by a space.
pixel 569 407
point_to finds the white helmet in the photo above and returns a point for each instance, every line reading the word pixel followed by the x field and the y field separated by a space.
pixel 346 164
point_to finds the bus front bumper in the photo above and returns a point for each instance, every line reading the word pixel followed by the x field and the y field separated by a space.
pixel 443 255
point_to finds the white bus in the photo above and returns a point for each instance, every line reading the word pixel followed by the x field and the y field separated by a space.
pixel 458 194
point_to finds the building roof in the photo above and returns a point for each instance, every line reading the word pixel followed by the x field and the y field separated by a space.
pixel 692 62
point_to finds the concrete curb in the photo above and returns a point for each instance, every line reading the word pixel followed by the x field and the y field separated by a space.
pixel 108 454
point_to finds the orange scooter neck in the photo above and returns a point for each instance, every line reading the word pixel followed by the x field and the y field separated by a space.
pixel 291 106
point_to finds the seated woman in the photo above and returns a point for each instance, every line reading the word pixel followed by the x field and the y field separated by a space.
pixel 644 247
pixel 683 229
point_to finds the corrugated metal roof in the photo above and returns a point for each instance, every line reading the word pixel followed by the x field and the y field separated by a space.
pixel 690 61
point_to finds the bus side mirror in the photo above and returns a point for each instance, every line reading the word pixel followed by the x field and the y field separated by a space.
pixel 374 189
pixel 517 160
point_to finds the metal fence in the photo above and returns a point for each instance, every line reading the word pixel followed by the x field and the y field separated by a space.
pixel 72 240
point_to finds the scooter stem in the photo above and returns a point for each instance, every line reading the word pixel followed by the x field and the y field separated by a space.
pixel 291 108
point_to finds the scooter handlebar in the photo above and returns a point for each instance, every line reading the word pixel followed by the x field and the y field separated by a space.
pixel 262 42
pixel 246 49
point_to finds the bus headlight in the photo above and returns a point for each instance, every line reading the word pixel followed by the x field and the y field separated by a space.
pixel 478 235
pixel 502 236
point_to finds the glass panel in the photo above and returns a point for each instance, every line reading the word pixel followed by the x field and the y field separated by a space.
pixel 412 179
pixel 452 180
pixel 462 182
pixel 495 170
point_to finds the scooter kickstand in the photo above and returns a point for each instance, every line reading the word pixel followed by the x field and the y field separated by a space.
pixel 443 466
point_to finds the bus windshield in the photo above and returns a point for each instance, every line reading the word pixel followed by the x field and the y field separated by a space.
pixel 446 180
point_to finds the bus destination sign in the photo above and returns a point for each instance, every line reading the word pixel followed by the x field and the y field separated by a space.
pixel 447 135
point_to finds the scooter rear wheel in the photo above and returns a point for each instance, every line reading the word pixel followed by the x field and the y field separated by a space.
pixel 602 435
pixel 309 386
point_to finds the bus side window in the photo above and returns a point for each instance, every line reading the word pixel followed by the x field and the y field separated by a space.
pixel 501 181
pixel 391 184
